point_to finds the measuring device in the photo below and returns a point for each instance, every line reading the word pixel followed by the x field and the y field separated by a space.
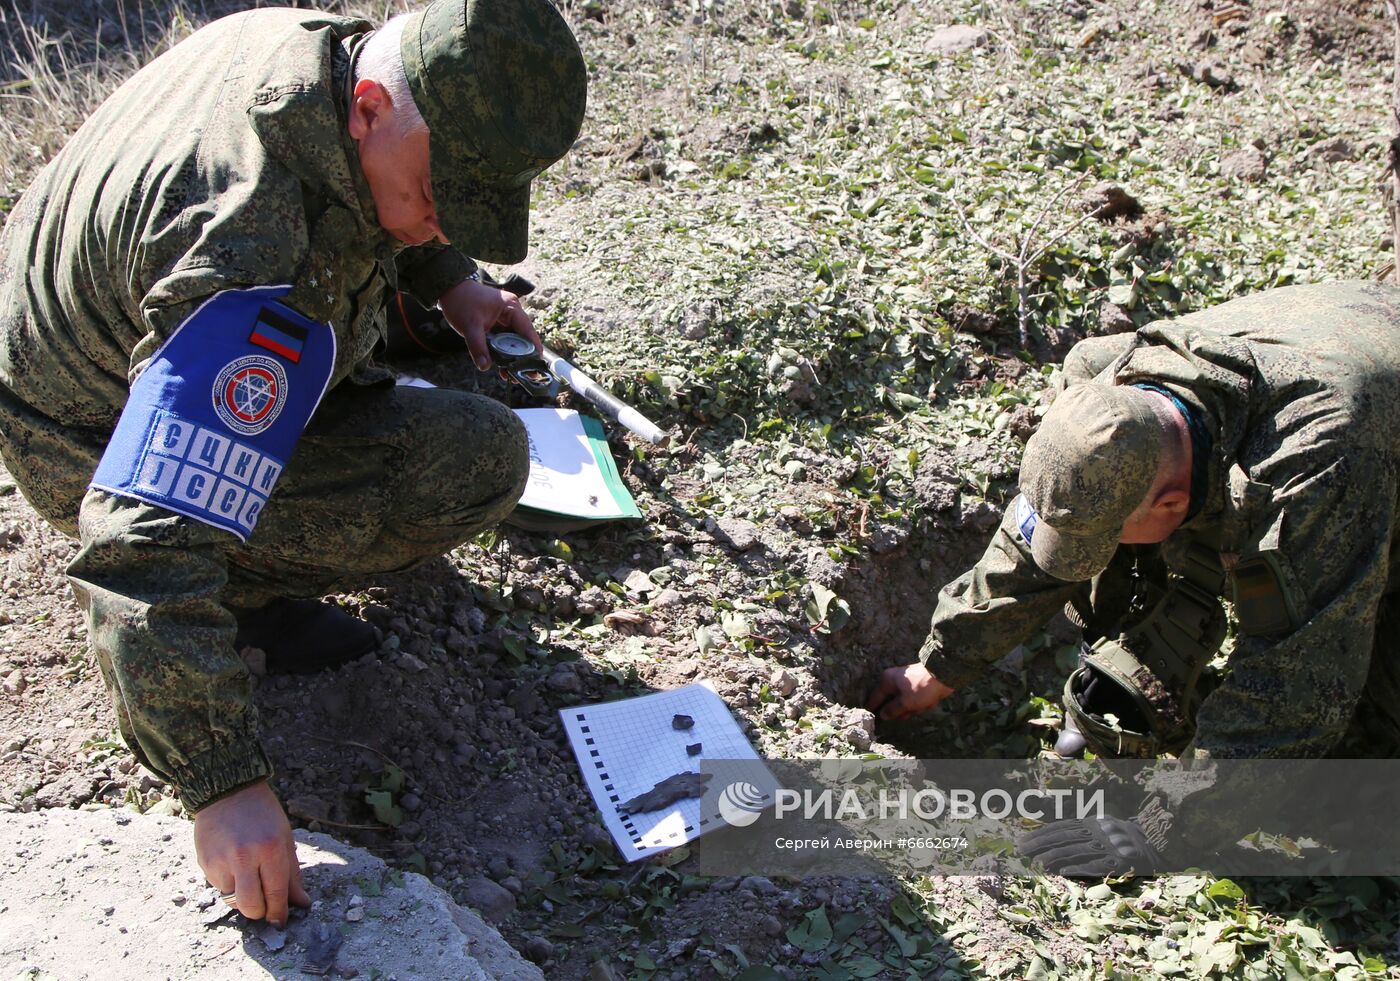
pixel 540 372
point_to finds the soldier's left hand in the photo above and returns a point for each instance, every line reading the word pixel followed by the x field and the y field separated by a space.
pixel 473 309
pixel 906 690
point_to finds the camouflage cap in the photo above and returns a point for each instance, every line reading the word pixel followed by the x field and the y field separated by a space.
pixel 502 86
pixel 1091 463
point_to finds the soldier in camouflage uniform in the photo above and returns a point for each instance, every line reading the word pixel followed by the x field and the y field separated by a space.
pixel 198 271
pixel 1250 449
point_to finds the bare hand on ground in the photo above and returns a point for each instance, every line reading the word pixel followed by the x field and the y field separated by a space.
pixel 906 690
pixel 245 846
pixel 473 308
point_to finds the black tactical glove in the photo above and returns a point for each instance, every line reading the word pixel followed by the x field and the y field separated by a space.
pixel 1091 848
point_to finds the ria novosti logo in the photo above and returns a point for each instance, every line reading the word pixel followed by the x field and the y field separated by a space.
pixel 741 803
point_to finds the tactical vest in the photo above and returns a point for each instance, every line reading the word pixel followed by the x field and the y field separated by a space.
pixel 1136 692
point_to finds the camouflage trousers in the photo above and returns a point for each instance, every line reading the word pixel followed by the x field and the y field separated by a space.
pixel 383 478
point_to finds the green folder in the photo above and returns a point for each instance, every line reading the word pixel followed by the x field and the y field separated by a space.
pixel 574 481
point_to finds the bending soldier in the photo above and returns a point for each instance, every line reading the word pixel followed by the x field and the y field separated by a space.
pixel 1250 449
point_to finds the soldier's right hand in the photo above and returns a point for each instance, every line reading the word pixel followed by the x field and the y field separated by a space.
pixel 245 847
pixel 906 690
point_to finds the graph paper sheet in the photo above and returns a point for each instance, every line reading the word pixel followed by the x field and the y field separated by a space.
pixel 625 748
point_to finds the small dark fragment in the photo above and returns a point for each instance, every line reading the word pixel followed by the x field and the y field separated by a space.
pixel 1107 201
pixel 321 951
pixel 216 914
pixel 693 749
pixel 668 791
pixel 680 722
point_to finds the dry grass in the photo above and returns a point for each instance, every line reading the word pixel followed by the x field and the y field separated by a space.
pixel 60 58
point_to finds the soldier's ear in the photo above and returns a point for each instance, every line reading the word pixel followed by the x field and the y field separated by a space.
pixel 370 105
pixel 1173 501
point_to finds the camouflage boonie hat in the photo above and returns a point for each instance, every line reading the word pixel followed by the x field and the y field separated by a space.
pixel 1087 468
pixel 502 86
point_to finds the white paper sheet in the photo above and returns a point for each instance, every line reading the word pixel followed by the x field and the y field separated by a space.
pixel 625 748
pixel 565 475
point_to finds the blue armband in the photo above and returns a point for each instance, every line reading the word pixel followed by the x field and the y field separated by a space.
pixel 1026 518
pixel 210 424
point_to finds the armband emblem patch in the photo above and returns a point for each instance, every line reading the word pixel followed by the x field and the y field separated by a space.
pixel 1026 518
pixel 210 424
pixel 249 394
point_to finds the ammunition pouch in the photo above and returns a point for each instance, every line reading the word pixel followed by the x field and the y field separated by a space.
pixel 1136 694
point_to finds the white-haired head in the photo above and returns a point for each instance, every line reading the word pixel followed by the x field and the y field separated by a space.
pixel 381 60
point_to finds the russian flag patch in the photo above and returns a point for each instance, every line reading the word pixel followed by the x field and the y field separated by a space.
pixel 278 334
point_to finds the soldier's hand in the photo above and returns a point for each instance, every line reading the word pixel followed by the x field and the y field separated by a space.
pixel 245 846
pixel 1090 848
pixel 474 308
pixel 906 690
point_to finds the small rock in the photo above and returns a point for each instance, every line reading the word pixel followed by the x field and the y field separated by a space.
pixel 936 483
pixel 566 680
pixel 15 683
pixel 1107 201
pixel 603 971
pixel 1248 165
pixel 412 663
pixel 308 808
pixel 355 914
pixel 783 682
pixel 770 925
pixel 273 938
pixel 596 837
pixel 981 516
pixel 1113 319
pixel 538 949
pixel 594 600
pixel 693 749
pixel 494 902
pixel 216 914
pixel 1331 151
pixel 758 885
pixel 955 38
pixel 861 719
pixel 411 801
pixel 886 537
pixel 679 948
pixel 1214 74
pixel 1024 422
pixel 697 321
pixel 734 533
pixel 682 722
pixel 1256 54
pixel 666 599
pixel 256 660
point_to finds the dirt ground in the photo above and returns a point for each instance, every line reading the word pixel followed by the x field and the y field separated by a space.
pixel 456 713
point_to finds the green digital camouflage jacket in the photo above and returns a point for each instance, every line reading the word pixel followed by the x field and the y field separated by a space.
pixel 225 163
pixel 1300 388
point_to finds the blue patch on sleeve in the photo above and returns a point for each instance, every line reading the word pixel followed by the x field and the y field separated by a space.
pixel 210 424
pixel 1026 518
